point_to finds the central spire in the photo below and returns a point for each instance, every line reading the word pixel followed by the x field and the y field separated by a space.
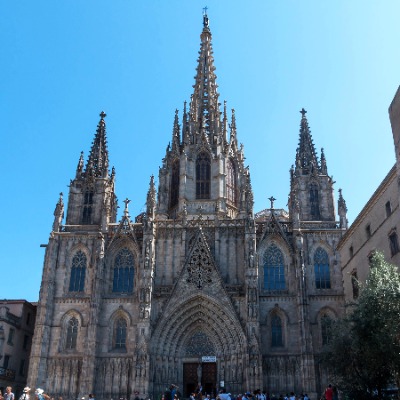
pixel 306 157
pixel 204 105
pixel 97 165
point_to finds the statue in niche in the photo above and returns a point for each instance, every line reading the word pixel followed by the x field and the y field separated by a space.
pixel 199 372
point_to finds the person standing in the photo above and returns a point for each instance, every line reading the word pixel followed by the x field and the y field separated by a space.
pixel 25 393
pixel 329 392
pixel 9 395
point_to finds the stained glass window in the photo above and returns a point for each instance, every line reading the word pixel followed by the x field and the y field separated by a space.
pixel 203 176
pixel 274 269
pixel 123 272
pixel 78 272
pixel 120 334
pixel 72 334
pixel 321 269
pixel 276 331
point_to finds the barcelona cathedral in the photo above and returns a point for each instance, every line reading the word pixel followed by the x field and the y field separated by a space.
pixel 199 288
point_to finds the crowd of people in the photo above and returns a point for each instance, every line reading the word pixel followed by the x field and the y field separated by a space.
pixel 173 393
pixel 38 394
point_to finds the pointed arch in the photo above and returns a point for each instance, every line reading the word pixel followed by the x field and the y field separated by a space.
pixel 274 268
pixel 71 322
pixel 203 176
pixel 231 186
pixel 277 322
pixel 78 272
pixel 174 186
pixel 322 269
pixel 123 271
pixel 119 324
pixel 326 321
pixel 198 313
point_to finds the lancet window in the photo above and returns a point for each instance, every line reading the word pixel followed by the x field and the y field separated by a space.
pixel 321 269
pixel 87 208
pixel 120 327
pixel 274 269
pixel 276 331
pixel 203 176
pixel 78 272
pixel 231 182
pixel 72 334
pixel 314 203
pixel 123 272
pixel 174 191
pixel 326 329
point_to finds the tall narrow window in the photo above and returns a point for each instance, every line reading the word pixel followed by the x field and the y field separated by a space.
pixel 87 208
pixel 120 334
pixel 321 269
pixel 72 334
pixel 368 231
pixel 174 184
pixel 78 272
pixel 274 269
pixel 388 208
pixel 123 272
pixel 354 284
pixel 314 203
pixel 231 182
pixel 276 331
pixel 326 329
pixel 203 176
pixel 394 243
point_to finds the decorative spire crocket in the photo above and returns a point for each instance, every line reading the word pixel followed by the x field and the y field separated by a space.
pixel 204 105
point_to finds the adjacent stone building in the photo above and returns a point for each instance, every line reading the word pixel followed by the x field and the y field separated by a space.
pixel 199 288
pixel 377 227
pixel 17 321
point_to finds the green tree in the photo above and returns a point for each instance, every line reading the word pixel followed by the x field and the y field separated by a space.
pixel 364 352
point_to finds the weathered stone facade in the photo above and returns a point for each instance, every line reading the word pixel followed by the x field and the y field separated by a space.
pixel 134 306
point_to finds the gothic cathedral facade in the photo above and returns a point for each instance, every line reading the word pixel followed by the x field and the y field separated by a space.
pixel 198 288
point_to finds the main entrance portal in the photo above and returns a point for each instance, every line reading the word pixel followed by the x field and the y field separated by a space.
pixel 205 372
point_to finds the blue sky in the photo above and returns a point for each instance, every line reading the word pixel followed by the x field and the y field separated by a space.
pixel 65 61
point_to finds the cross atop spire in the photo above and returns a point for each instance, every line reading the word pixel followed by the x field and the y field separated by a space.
pixel 103 115
pixel 205 17
pixel 303 112
pixel 272 199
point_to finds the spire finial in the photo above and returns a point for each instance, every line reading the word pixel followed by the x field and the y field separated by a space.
pixel 303 112
pixel 272 199
pixel 103 115
pixel 205 17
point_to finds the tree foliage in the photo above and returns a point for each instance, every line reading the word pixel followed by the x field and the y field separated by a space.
pixel 364 352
